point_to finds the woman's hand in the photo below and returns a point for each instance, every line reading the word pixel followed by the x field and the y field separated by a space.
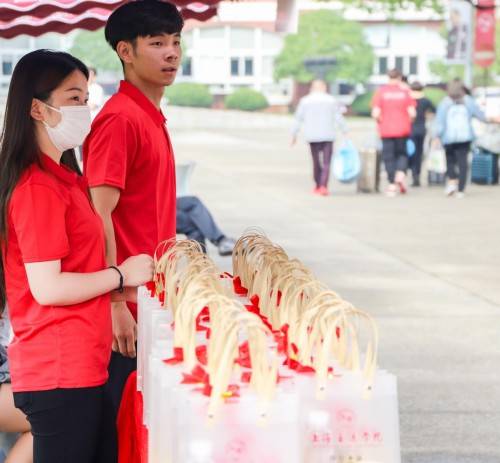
pixel 137 270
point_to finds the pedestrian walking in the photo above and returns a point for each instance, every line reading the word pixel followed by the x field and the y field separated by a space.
pixel 424 108
pixel 453 129
pixel 321 117
pixel 53 270
pixel 128 157
pixel 394 109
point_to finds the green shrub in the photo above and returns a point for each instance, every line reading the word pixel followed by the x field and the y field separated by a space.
pixel 435 94
pixel 246 99
pixel 189 94
pixel 361 106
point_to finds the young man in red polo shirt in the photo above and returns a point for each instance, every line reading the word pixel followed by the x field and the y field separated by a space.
pixel 128 157
pixel 394 109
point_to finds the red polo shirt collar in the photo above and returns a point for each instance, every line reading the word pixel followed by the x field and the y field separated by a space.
pixel 61 172
pixel 142 101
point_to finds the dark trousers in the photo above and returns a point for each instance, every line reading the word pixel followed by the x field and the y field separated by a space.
pixel 395 156
pixel 70 425
pixel 119 370
pixel 457 157
pixel 195 221
pixel 322 157
pixel 415 161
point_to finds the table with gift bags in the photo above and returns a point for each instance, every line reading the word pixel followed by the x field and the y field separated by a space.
pixel 263 365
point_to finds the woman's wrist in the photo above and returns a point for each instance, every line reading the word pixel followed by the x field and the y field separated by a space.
pixel 121 278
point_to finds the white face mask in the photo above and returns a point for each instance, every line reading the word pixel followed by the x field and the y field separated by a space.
pixel 73 128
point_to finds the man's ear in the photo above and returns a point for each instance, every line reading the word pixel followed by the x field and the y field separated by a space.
pixel 37 110
pixel 125 51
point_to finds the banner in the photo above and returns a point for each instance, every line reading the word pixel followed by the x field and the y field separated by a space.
pixel 484 50
pixel 459 32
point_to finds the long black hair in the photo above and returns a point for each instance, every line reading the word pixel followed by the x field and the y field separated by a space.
pixel 36 75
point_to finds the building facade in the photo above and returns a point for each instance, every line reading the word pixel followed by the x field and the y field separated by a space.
pixel 239 47
pixel 13 49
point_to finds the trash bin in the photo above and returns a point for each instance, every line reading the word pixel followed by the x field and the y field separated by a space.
pixel 369 178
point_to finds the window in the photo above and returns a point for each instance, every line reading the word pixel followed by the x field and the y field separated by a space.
pixel 399 63
pixel 235 66
pixel 187 67
pixel 249 66
pixel 212 33
pixel 382 65
pixel 7 66
pixel 242 38
pixel 414 65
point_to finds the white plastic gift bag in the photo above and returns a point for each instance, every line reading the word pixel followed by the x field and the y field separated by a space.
pixel 351 423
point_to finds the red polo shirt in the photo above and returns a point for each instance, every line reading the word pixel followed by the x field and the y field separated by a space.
pixel 50 217
pixel 394 102
pixel 129 148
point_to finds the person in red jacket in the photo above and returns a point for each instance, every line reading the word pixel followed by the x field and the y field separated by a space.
pixel 128 157
pixel 53 271
pixel 394 110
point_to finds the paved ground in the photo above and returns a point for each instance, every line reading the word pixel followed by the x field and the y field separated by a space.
pixel 425 266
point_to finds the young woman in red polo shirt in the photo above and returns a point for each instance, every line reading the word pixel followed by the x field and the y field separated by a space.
pixel 54 273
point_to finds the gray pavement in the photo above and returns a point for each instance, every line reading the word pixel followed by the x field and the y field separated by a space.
pixel 425 266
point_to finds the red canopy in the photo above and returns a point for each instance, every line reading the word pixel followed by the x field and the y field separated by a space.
pixel 38 17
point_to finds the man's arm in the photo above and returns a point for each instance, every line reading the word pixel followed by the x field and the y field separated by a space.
pixel 105 199
pixel 376 110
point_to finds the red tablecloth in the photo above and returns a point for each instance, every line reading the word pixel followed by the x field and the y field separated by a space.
pixel 132 434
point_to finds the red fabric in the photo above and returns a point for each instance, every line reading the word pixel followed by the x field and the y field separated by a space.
pixel 393 101
pixel 50 217
pixel 129 148
pixel 132 434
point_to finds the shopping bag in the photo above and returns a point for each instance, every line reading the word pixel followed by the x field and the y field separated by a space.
pixel 436 161
pixel 349 425
pixel 410 147
pixel 239 434
pixel 347 163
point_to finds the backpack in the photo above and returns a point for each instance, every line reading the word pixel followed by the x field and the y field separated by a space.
pixel 458 125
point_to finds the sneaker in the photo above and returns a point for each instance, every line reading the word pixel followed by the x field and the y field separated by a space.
pixel 450 189
pixel 316 191
pixel 391 191
pixel 401 182
pixel 415 183
pixel 323 191
pixel 460 195
pixel 226 246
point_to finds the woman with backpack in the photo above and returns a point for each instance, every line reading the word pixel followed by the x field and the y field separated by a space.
pixel 453 127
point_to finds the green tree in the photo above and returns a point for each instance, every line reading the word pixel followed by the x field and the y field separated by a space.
pixel 326 33
pixel 93 50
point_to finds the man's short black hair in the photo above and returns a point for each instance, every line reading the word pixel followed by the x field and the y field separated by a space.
pixel 142 18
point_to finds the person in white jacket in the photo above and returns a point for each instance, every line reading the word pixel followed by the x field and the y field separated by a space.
pixel 320 116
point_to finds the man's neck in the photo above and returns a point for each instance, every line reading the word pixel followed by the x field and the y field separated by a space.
pixel 152 92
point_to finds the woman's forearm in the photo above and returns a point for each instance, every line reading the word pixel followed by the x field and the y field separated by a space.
pixel 72 288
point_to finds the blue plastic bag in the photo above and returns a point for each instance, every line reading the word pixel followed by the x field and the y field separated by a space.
pixel 347 163
pixel 410 147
